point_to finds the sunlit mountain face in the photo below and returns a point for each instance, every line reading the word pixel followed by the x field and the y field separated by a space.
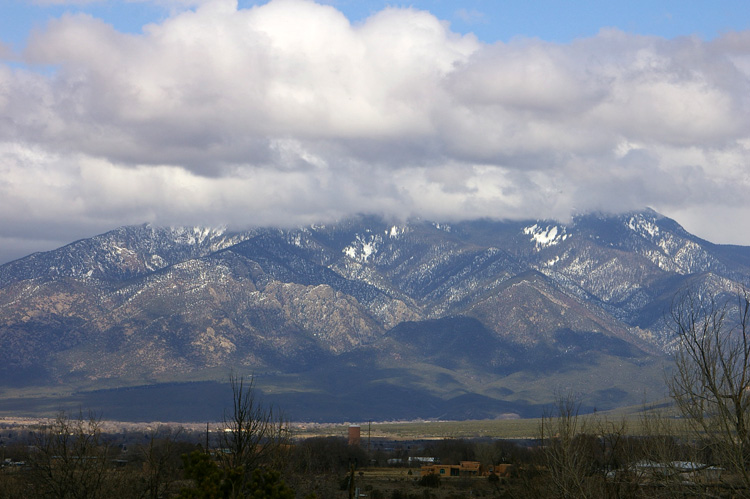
pixel 362 319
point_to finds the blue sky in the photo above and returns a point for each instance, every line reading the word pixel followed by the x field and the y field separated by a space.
pixel 551 20
pixel 289 112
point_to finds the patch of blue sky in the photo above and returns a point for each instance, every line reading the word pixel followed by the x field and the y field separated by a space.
pixel 565 20
pixel 558 21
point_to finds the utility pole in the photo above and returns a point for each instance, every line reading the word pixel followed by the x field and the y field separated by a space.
pixel 207 437
pixel 351 481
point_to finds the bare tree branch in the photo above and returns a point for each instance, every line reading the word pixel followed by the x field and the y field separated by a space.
pixel 711 381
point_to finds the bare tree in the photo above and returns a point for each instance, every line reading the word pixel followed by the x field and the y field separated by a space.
pixel 70 458
pixel 253 442
pixel 567 459
pixel 160 462
pixel 711 382
pixel 612 453
pixel 253 434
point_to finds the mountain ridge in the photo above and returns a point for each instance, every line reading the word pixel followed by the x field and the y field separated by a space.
pixel 527 307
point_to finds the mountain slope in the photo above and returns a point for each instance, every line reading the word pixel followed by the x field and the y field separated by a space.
pixel 489 316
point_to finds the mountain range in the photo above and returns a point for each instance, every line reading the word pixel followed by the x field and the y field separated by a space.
pixel 364 319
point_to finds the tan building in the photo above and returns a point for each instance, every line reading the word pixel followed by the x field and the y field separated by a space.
pixel 466 468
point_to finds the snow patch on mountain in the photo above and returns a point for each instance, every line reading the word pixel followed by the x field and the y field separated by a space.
pixel 551 262
pixel 156 262
pixel 395 231
pixel 363 247
pixel 544 237
pixel 645 228
pixel 193 236
pixel 674 253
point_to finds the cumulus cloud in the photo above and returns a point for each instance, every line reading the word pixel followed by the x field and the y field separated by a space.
pixel 288 113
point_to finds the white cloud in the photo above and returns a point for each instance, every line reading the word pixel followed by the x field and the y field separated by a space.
pixel 288 113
